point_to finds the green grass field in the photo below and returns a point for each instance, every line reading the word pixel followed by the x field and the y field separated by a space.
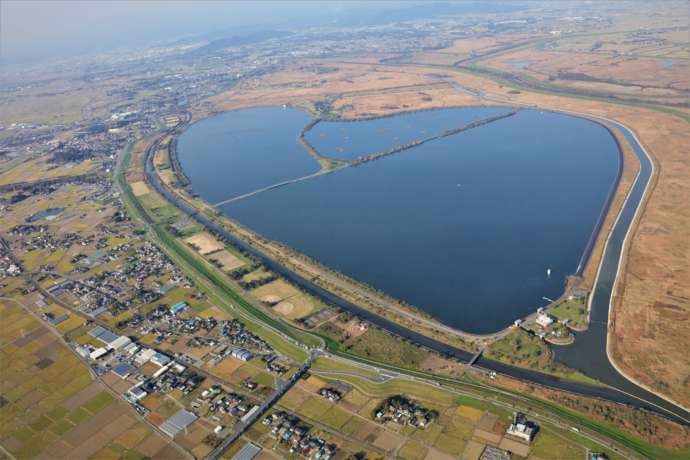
pixel 383 346
pixel 422 391
pixel 205 277
pixel 34 414
pixel 331 365
pixel 573 310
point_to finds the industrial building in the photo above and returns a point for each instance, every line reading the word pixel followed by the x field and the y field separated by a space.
pixel 242 354
pixel 522 428
pixel 178 422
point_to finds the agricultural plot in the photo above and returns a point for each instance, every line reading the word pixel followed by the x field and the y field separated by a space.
pixel 286 299
pixel 464 427
pixel 204 243
pixel 33 170
pixel 227 261
pixel 140 188
pixel 51 408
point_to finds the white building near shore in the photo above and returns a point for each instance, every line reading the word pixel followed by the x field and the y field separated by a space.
pixel 544 320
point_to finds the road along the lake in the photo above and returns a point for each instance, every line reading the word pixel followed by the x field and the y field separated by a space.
pixel 619 388
pixel 590 353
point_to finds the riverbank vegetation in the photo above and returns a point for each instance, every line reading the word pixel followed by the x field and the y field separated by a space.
pixel 524 349
pixel 648 434
pixel 518 94
pixel 572 310
pixel 263 331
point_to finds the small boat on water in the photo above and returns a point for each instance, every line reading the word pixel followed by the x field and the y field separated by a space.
pixel 548 273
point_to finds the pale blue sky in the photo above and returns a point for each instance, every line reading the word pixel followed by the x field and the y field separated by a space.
pixel 41 30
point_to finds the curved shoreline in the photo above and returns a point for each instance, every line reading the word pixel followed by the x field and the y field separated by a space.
pixel 643 398
pixel 373 156
pixel 606 208
pixel 512 108
pixel 637 147
pixel 605 335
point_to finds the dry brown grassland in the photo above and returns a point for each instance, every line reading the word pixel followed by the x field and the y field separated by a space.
pixel 648 330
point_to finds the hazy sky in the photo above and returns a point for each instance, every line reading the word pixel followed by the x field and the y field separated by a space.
pixel 45 30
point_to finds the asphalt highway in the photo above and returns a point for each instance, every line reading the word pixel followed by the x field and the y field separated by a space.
pixel 617 388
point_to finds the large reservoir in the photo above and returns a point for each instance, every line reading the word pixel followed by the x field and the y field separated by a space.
pixel 237 152
pixel 463 227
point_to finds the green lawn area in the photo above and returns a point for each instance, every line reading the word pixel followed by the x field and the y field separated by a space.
pixel 521 349
pixel 417 390
pixel 335 417
pixel 332 365
pixel 481 405
pixel 381 345
pixel 574 310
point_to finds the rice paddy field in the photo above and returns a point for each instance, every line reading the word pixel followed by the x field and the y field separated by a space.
pixel 50 406
pixel 464 428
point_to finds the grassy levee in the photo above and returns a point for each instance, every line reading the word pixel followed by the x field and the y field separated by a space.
pixel 501 394
pixel 417 390
pixel 197 269
pixel 200 268
pixel 630 442
pixel 328 365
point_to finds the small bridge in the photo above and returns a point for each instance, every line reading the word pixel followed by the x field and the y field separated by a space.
pixel 475 357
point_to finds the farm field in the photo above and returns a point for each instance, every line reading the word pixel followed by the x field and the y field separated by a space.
pixel 199 329
pixel 637 327
pixel 52 408
pixel 37 169
pixel 464 427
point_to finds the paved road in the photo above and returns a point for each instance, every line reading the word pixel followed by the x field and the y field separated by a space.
pixel 242 426
pixel 629 394
pixel 85 362
pixel 590 352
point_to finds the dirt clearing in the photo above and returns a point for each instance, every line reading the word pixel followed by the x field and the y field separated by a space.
pixel 204 243
pixel 227 261
pixel 139 188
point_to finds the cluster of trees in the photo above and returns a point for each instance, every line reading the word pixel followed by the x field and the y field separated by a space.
pixel 239 273
pixel 248 285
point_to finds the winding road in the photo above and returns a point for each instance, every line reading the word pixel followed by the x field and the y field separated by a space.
pixel 593 360
pixel 590 353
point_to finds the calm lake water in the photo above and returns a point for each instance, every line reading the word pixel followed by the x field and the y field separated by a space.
pixel 348 140
pixel 237 152
pixel 463 227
